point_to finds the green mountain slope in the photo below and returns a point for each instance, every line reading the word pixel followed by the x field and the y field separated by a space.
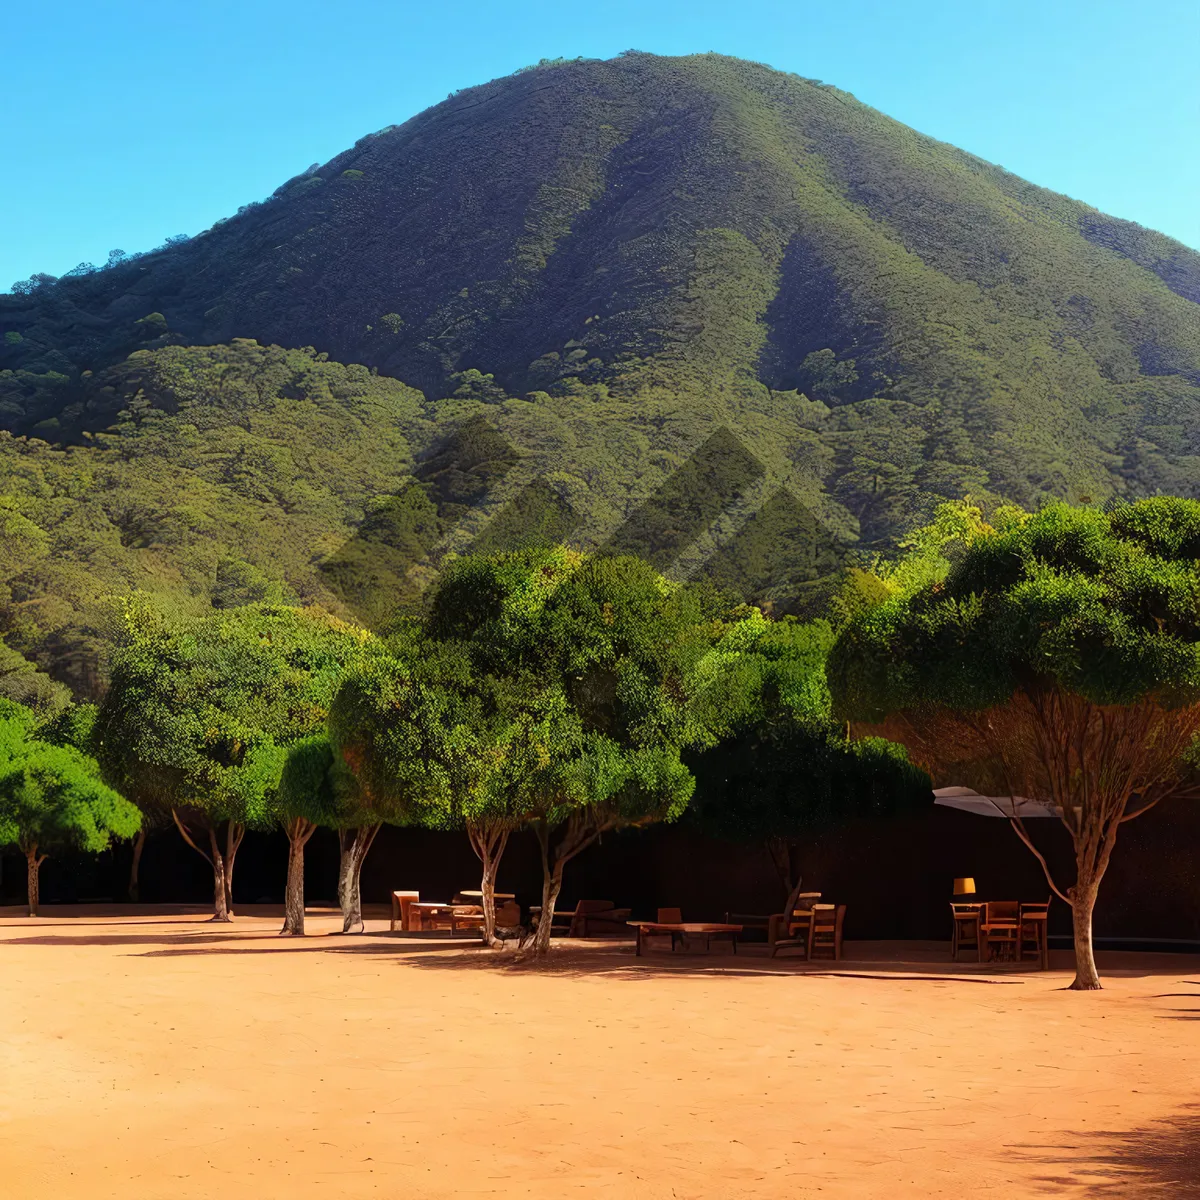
pixel 613 263
pixel 230 475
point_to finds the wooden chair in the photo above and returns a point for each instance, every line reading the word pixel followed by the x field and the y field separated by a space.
pixel 670 916
pixel 967 919
pixel 401 903
pixel 1033 941
pixel 797 924
pixel 1000 929
pixel 825 930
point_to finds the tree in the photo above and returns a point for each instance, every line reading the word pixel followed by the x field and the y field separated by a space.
pixel 52 796
pixel 434 741
pixel 1054 656
pixel 784 770
pixel 75 726
pixel 305 798
pixel 612 650
pixel 781 781
pixel 201 711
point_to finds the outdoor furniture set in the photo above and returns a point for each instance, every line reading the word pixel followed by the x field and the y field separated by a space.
pixel 815 929
pixel 1001 930
pixel 463 914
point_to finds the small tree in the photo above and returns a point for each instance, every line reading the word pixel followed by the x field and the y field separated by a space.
pixel 52 796
pixel 200 712
pixel 305 799
pixel 1058 658
pixel 781 782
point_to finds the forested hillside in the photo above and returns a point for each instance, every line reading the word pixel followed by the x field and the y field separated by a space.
pixel 726 316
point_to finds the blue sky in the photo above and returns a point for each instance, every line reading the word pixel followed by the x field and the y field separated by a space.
pixel 126 121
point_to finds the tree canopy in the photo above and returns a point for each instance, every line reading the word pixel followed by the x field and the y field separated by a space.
pixel 1054 656
pixel 200 712
pixel 52 796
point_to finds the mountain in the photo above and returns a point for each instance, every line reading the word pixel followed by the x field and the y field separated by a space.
pixel 611 264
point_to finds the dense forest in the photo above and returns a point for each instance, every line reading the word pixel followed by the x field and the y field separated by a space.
pixel 725 318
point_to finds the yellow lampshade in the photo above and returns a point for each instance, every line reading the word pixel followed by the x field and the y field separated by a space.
pixel 964 887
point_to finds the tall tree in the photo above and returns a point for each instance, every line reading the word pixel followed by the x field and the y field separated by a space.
pixel 200 712
pixel 1053 656
pixel 52 796
pixel 613 651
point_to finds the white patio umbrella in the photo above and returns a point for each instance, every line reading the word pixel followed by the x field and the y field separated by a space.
pixel 1008 807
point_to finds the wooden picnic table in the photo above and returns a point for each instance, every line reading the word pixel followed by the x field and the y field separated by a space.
pixel 689 928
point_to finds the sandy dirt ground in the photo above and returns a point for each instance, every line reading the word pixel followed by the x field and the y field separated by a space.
pixel 159 1056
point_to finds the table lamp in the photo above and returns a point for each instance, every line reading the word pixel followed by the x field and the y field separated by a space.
pixel 964 887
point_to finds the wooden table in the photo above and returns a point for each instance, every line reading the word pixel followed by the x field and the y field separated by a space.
pixel 419 912
pixel 499 896
pixel 689 928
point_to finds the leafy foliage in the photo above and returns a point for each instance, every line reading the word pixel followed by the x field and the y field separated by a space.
pixel 1056 658
pixel 200 713
pixel 52 796
pixel 1102 604
pixel 228 473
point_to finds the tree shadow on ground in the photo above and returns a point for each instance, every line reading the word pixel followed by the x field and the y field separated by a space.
pixel 1161 1159
pixel 615 961
pixel 308 945
pixel 199 938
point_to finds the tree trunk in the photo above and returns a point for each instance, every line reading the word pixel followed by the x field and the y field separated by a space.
pixel 221 906
pixel 488 842
pixel 354 844
pixel 551 886
pixel 580 832
pixel 235 831
pixel 299 831
pixel 33 866
pixel 790 907
pixel 139 844
pixel 215 859
pixel 1083 902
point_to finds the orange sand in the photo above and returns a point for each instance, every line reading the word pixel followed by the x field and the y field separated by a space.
pixel 157 1056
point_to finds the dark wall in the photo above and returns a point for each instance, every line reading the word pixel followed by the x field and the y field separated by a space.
pixel 896 876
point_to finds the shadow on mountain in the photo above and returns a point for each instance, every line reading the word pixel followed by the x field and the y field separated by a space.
pixel 383 569
pixel 783 559
pixel 536 516
pixel 663 527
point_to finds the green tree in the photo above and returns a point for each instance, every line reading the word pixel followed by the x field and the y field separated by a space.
pixel 52 796
pixel 305 799
pixel 201 712
pixel 613 651
pixel 785 771
pixel 1057 657
pixel 433 740
pixel 23 683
